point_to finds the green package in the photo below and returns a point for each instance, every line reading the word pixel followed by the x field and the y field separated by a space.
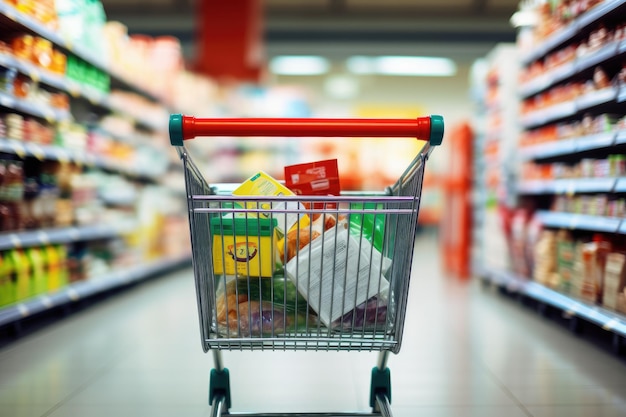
pixel 370 226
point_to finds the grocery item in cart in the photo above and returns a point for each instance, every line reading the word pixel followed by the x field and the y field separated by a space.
pixel 243 245
pixel 257 306
pixel 298 238
pixel 262 184
pixel 274 306
pixel 337 272
pixel 319 178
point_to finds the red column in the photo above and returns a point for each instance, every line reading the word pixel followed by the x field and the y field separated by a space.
pixel 456 221
pixel 230 39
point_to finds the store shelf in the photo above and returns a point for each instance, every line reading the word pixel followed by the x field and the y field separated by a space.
pixel 606 319
pixel 596 98
pixel 553 41
pixel 562 36
pixel 610 51
pixel 621 95
pixel 571 146
pixel 52 80
pixel 550 114
pixel 620 137
pixel 598 12
pixel 620 186
pixel 84 289
pixel 580 221
pixel 33 109
pixel 75 89
pixel 568 70
pixel 568 186
pixel 568 109
pixel 42 237
pixel 10 17
pixel 55 153
pixel 549 149
pixel 543 82
pixel 596 141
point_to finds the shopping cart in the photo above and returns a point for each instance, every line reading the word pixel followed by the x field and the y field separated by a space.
pixel 310 272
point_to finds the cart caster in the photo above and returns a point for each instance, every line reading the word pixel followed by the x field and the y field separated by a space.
pixel 380 386
pixel 219 390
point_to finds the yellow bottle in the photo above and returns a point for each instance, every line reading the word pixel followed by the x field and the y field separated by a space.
pixel 7 290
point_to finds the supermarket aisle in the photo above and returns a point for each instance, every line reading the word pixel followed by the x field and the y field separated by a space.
pixel 466 352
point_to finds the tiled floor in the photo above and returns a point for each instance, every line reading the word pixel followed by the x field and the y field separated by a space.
pixel 466 352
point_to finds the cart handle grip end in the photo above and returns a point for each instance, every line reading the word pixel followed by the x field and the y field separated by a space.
pixel 429 128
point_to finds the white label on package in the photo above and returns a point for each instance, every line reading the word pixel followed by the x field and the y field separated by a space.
pixel 335 274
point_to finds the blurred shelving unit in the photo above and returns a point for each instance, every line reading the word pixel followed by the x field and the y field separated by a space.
pixel 571 185
pixel 497 130
pixel 98 140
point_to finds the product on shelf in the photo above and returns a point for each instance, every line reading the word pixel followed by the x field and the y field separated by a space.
pixel 613 165
pixel 566 260
pixel 154 64
pixel 81 23
pixel 43 11
pixel 614 279
pixel 11 195
pixel 569 92
pixel 599 38
pixel 86 74
pixel 554 16
pixel 545 259
pixel 588 267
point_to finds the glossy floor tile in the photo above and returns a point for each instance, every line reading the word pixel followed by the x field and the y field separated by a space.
pixel 467 351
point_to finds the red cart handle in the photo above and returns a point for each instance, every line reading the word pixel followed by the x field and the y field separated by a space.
pixel 428 128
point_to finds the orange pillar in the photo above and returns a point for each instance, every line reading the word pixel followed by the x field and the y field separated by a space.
pixel 456 221
pixel 229 42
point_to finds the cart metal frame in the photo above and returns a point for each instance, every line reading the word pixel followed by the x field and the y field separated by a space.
pixel 397 207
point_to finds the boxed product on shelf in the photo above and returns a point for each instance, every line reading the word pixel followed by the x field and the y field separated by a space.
pixel 614 279
pixel 566 259
pixel 587 283
pixel 545 258
pixel 86 74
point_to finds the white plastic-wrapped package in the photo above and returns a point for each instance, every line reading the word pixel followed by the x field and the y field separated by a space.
pixel 335 273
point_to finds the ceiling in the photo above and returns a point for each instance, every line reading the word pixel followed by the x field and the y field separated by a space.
pixel 460 29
